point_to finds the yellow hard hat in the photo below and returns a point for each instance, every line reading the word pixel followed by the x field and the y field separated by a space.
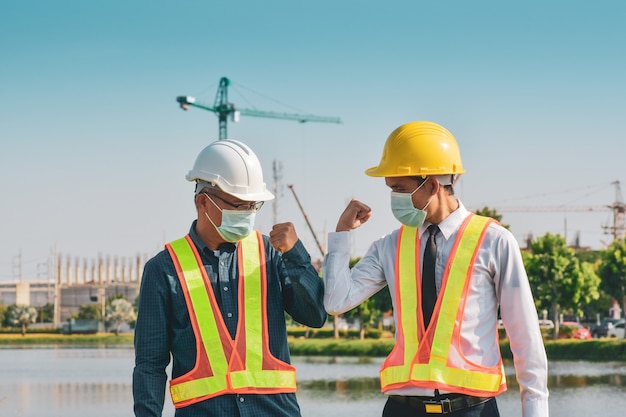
pixel 419 149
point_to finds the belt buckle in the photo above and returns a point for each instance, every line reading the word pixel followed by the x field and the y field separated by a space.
pixel 438 406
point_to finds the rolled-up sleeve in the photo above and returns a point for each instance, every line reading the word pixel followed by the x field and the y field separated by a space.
pixel 346 288
pixel 303 288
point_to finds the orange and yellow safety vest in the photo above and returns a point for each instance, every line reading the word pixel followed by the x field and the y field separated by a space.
pixel 432 358
pixel 226 366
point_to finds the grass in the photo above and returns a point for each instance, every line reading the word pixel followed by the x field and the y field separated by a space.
pixel 99 339
pixel 563 349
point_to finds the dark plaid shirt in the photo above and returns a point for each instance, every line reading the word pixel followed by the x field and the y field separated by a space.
pixel 164 327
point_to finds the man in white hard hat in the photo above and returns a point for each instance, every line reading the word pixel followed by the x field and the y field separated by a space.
pixel 215 300
pixel 449 273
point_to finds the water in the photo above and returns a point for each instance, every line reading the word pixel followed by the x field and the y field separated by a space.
pixel 96 382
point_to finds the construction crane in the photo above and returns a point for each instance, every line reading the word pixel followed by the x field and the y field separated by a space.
pixel 618 208
pixel 617 228
pixel 225 110
pixel 561 208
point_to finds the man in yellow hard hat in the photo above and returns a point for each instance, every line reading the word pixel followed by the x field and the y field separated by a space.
pixel 215 301
pixel 449 273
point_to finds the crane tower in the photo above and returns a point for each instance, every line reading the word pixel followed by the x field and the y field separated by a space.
pixel 226 110
pixel 618 208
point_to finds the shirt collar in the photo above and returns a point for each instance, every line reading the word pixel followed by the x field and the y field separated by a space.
pixel 227 246
pixel 196 239
pixel 450 224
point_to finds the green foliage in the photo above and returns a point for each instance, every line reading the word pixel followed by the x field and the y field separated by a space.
pixel 493 213
pixel 325 333
pixel 99 340
pixel 132 323
pixel 118 312
pixel 89 312
pixel 613 269
pixel 563 349
pixel 3 313
pixel 591 256
pixel 22 316
pixel 599 307
pixel 115 297
pixel 46 313
pixel 42 330
pixel 558 279
pixel 589 350
pixel 341 347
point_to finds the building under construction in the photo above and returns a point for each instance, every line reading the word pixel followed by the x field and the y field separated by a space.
pixel 76 282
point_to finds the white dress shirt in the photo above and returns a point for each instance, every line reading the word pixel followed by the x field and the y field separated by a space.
pixel 499 281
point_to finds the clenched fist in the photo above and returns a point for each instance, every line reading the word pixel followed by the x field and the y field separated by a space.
pixel 355 214
pixel 283 236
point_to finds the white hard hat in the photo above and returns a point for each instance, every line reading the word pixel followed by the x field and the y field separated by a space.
pixel 234 168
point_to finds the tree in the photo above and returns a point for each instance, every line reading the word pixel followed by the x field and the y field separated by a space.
pixel 89 312
pixel 46 313
pixel 612 270
pixel 23 316
pixel 133 323
pixel 558 279
pixel 3 313
pixel 365 313
pixel 493 213
pixel 118 312
pixel 595 308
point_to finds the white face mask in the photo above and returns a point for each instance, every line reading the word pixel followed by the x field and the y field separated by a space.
pixel 236 224
pixel 403 209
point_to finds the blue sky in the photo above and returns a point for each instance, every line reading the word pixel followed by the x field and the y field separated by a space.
pixel 94 149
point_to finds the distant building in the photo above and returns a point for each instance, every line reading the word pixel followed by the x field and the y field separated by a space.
pixel 76 284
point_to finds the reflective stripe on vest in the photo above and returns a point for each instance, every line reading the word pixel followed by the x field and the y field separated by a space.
pixel 435 360
pixel 223 366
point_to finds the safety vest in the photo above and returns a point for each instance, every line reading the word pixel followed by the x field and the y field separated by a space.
pixel 432 358
pixel 225 366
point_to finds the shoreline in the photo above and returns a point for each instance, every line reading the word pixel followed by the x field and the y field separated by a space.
pixel 601 350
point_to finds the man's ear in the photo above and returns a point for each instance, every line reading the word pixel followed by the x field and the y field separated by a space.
pixel 433 185
pixel 201 200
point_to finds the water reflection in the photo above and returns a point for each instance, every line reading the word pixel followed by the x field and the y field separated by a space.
pixel 96 382
pixel 352 389
pixel 46 399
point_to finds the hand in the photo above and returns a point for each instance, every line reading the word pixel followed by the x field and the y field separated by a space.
pixel 283 237
pixel 353 216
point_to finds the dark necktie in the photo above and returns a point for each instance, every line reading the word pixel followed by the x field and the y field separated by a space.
pixel 429 287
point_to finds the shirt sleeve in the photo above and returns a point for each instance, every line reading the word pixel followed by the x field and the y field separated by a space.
pixel 346 288
pixel 303 289
pixel 519 316
pixel 151 342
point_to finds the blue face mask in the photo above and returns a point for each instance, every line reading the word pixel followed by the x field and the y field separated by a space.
pixel 236 224
pixel 403 209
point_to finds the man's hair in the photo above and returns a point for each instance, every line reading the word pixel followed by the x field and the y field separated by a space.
pixel 448 188
pixel 203 187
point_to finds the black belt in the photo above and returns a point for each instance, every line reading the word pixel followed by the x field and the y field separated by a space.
pixel 443 404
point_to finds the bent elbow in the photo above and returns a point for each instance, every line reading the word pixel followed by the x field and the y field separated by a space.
pixel 333 311
pixel 321 321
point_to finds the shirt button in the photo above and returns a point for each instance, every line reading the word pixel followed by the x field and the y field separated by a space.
pixel 225 288
pixel 222 263
pixel 229 314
